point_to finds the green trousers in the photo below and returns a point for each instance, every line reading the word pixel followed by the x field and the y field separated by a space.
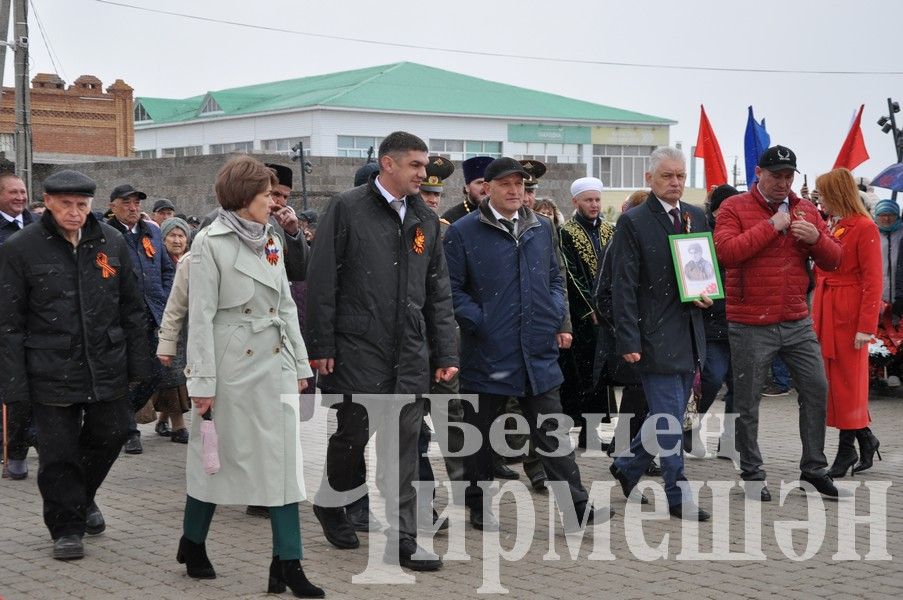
pixel 283 520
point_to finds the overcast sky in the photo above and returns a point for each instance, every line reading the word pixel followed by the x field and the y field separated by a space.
pixel 174 56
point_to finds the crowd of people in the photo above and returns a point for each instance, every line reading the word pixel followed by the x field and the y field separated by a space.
pixel 390 308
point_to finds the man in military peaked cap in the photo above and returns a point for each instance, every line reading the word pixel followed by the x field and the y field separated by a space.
pixel 438 169
pixel 535 170
pixel 72 339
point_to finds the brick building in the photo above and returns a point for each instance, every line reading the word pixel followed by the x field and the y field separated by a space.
pixel 78 122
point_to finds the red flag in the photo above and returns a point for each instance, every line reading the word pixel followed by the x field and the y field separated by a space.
pixel 709 151
pixel 853 152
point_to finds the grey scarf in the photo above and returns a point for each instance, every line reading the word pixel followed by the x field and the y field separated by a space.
pixel 253 234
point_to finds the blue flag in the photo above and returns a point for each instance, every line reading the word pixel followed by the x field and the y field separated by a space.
pixel 755 142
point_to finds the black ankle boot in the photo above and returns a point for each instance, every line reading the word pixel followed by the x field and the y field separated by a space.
pixel 846 454
pixel 868 447
pixel 289 573
pixel 194 557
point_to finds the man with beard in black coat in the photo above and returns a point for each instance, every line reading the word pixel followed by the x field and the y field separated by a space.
pixel 72 341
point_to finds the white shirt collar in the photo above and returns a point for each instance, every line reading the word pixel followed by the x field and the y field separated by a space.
pixel 498 216
pixel 18 219
pixel 668 207
pixel 390 198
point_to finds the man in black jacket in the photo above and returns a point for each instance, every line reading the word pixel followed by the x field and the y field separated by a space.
pixel 654 329
pixel 379 308
pixel 72 340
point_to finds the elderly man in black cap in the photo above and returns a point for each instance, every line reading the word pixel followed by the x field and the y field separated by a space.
pixel 163 209
pixel 72 340
pixel 153 273
pixel 473 188
pixel 508 294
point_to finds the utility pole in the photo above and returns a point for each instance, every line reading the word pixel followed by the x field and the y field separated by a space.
pixel 23 96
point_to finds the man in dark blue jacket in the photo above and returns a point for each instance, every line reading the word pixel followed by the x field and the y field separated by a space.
pixel 509 302
pixel 153 271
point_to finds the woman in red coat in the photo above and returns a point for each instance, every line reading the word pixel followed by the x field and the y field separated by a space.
pixel 845 312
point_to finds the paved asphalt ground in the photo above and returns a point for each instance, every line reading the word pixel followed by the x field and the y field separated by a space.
pixel 791 551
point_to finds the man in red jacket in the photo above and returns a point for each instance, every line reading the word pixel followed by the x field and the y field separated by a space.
pixel 764 238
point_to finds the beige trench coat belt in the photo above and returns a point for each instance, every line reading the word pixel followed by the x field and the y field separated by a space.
pixel 257 324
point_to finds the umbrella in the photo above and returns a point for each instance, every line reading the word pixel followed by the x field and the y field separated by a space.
pixel 890 178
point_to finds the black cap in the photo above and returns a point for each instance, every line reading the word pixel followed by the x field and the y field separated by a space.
pixel 502 167
pixel 474 167
pixel 163 204
pixel 283 174
pixel 364 173
pixel 778 158
pixel 70 182
pixel 124 191
pixel 535 169
pixel 438 169
pixel 308 215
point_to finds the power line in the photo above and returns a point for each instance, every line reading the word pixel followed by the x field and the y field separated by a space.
pixel 54 59
pixel 495 54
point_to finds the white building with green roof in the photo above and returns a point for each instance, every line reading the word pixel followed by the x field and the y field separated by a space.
pixel 459 116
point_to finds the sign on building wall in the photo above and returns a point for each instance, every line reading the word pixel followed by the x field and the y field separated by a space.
pixel 549 134
pixel 631 136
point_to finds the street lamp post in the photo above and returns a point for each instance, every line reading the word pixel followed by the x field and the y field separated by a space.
pixel 888 124
pixel 306 168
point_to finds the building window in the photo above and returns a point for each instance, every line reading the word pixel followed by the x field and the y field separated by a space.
pixel 284 145
pixel 210 106
pixel 551 153
pixel 231 148
pixel 357 146
pixel 621 166
pixel 140 113
pixel 464 149
pixel 180 152
pixel 145 154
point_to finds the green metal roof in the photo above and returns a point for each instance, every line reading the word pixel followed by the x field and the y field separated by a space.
pixel 399 87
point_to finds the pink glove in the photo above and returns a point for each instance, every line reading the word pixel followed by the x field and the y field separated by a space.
pixel 210 445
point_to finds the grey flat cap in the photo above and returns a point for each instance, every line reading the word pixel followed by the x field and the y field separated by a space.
pixel 163 204
pixel 70 182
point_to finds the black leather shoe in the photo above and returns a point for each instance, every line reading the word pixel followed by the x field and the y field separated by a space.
pixel 689 512
pixel 258 511
pixel 68 547
pixel 360 519
pixel 133 444
pixel 289 573
pixel 538 481
pixel 824 485
pixel 94 521
pixel 17 469
pixel 501 471
pixel 653 470
pixel 484 521
pixel 163 429
pixel 754 492
pixel 626 486
pixel 406 549
pixel 194 557
pixel 179 436
pixel 336 527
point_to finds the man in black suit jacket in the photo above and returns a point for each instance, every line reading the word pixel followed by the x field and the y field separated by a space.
pixel 654 329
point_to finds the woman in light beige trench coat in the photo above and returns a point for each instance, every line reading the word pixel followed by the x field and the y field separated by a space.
pixel 246 364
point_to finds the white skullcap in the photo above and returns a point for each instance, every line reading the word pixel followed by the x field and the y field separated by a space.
pixel 585 184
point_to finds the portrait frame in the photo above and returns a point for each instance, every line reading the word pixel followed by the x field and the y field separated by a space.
pixel 696 274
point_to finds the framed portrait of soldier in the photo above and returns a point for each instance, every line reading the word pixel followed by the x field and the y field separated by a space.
pixel 696 266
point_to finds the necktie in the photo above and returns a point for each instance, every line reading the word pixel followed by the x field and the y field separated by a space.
pixel 396 205
pixel 675 217
pixel 509 225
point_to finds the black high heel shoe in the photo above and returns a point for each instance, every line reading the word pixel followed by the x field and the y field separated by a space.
pixel 846 455
pixel 868 448
pixel 289 573
pixel 194 557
